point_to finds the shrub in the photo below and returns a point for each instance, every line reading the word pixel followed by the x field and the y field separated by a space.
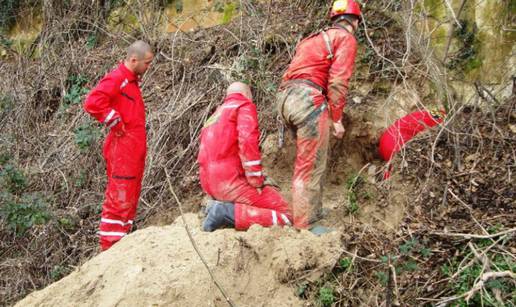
pixel 6 103
pixel 91 41
pixel 85 136
pixel 20 216
pixel 8 9
pixel 76 90
pixel 326 297
pixel 352 182
pixel 12 179
pixel 58 272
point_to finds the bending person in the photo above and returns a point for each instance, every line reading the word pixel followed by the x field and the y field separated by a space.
pixel 311 98
pixel 231 171
pixel 404 129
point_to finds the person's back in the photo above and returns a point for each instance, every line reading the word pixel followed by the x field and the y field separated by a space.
pixel 219 137
pixel 229 142
pixel 230 167
pixel 318 61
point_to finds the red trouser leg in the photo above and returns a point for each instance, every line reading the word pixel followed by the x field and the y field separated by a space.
pixel 266 207
pixel 124 166
pixel 309 169
pixel 246 216
pixel 298 105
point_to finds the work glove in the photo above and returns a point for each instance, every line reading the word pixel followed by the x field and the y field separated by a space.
pixel 270 182
pixel 119 129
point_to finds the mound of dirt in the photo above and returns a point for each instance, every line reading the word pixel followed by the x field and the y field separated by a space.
pixel 158 266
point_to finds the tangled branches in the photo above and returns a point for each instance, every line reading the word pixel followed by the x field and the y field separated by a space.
pixel 56 148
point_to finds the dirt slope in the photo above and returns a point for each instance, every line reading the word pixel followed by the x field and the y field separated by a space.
pixel 158 266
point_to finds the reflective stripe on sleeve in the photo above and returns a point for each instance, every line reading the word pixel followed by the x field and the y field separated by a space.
pixel 274 218
pixel 253 163
pixel 112 234
pixel 114 123
pixel 118 222
pixel 231 106
pixel 253 174
pixel 109 116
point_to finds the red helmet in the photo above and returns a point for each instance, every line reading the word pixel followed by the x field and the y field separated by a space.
pixel 344 7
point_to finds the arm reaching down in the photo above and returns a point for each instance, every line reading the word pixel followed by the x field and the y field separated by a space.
pixel 339 75
pixel 248 144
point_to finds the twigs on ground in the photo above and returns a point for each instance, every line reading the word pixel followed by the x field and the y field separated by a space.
pixel 194 244
pixel 474 236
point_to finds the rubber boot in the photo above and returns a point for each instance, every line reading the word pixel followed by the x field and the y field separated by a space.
pixel 319 230
pixel 219 215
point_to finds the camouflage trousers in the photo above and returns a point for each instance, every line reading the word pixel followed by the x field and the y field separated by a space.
pixel 304 110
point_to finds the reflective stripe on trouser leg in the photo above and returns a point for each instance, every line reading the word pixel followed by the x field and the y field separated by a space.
pixel 253 207
pixel 240 191
pixel 118 210
pixel 246 216
pixel 310 166
pixel 122 191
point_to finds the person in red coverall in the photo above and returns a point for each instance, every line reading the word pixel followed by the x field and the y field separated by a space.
pixel 117 103
pixel 313 93
pixel 404 129
pixel 230 168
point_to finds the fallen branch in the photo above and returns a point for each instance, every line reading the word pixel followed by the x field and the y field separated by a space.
pixel 470 211
pixel 480 257
pixel 230 303
pixel 470 263
pixel 474 236
pixel 448 43
pixel 361 258
pixel 485 94
pixel 478 286
pixel 485 277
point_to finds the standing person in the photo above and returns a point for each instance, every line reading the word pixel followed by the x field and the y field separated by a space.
pixel 117 102
pixel 230 167
pixel 313 93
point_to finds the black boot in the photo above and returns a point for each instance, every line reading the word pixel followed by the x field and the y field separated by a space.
pixel 219 214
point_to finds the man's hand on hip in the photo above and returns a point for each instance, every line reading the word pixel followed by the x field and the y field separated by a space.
pixel 338 129
pixel 119 129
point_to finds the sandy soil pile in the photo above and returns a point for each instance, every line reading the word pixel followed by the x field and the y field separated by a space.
pixel 158 266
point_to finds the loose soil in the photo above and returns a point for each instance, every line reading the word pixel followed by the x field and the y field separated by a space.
pixel 158 266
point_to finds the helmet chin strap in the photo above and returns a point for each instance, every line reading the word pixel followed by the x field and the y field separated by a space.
pixel 342 18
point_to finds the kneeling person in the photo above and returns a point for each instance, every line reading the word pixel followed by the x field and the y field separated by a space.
pixel 231 171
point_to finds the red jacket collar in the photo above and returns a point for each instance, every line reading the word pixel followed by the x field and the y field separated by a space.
pixel 131 76
pixel 238 97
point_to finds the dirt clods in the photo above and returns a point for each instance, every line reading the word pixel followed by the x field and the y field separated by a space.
pixel 159 267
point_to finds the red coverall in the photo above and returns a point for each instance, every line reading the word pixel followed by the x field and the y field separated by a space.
pixel 313 91
pixel 230 165
pixel 117 102
pixel 403 130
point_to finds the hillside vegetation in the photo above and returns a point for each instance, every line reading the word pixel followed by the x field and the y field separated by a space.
pixel 440 231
